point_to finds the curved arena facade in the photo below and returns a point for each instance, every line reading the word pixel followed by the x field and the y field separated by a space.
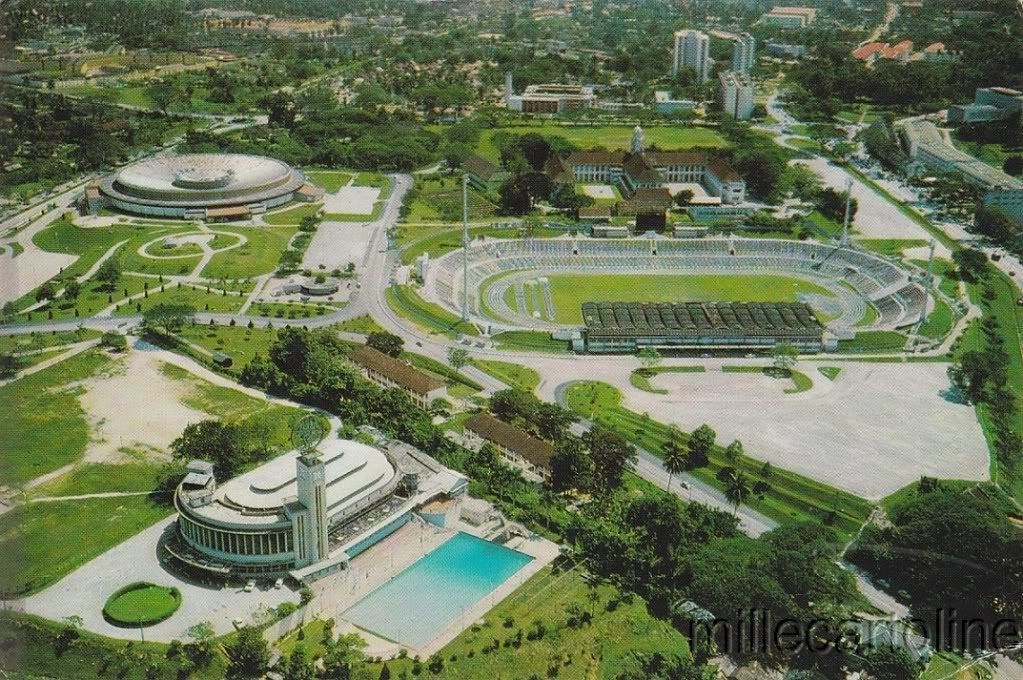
pixel 201 186
pixel 504 273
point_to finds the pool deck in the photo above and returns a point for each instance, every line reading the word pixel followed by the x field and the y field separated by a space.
pixel 385 560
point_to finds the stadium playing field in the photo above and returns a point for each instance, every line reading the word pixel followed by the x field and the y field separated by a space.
pixel 569 291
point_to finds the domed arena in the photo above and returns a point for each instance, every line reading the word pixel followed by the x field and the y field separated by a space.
pixel 201 186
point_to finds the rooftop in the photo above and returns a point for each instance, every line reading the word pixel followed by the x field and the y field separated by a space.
pixel 536 451
pixel 401 373
pixel 695 319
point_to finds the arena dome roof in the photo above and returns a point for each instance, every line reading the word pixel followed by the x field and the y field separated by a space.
pixel 202 180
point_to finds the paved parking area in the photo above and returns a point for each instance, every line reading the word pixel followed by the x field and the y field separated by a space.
pixel 84 592
pixel 875 429
pixel 351 200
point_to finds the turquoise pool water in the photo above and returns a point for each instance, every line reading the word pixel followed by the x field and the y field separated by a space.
pixel 420 602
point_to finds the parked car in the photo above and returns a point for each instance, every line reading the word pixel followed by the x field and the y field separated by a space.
pixel 250 586
pixel 278 584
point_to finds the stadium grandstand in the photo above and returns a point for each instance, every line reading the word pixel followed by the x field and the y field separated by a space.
pixel 629 326
pixel 855 279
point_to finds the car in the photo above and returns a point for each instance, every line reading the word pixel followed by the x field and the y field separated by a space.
pixel 237 622
pixel 250 586
pixel 278 584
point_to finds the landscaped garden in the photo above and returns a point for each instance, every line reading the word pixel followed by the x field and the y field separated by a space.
pixel 141 604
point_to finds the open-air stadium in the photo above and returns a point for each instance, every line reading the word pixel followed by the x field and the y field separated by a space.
pixel 522 283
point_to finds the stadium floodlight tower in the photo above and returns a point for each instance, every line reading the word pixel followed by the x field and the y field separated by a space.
pixel 929 283
pixel 845 222
pixel 465 247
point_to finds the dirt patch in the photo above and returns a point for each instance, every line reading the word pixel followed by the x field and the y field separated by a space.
pixel 134 408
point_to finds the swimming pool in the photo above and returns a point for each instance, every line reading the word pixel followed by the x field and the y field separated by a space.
pixel 419 603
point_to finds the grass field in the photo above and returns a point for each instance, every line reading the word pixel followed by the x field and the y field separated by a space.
pixel 330 180
pixel 34 651
pixel 88 478
pixel 891 246
pixel 259 255
pixel 41 542
pixel 443 240
pixel 620 633
pixel 292 215
pixel 440 199
pixel 407 303
pixel 511 374
pixel 791 498
pixel 141 604
pixel 874 341
pixel 199 299
pixel 36 341
pixel 45 427
pixel 242 344
pixel 611 137
pixel 569 291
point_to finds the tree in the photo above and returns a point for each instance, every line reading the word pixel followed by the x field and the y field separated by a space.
pixel 47 291
pixel 676 455
pixel 831 204
pixel 215 441
pixel 1013 165
pixel 109 273
pixel 890 663
pixel 169 318
pixel 248 655
pixel 551 421
pixel 571 467
pixel 9 365
pixel 700 443
pixel 684 198
pixel 458 357
pixel 649 357
pixel 388 343
pixel 114 340
pixel 8 311
pixel 298 666
pixel 512 403
pixel 72 290
pixel 733 452
pixel 341 656
pixel 785 356
pixel 737 489
pixel 612 455
pixel 202 636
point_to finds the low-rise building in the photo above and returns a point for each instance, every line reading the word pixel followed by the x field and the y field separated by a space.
pixel 387 371
pixel 483 174
pixel 735 94
pixel 548 97
pixel 531 455
pixel 665 103
pixel 790 17
pixel 785 51
pixel 927 147
pixel 990 104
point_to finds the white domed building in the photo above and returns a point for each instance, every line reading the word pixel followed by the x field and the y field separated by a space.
pixel 202 186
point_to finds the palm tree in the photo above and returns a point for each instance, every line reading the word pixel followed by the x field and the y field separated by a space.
pixel 676 456
pixel 737 489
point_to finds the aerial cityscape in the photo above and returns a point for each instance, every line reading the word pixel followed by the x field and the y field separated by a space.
pixel 625 339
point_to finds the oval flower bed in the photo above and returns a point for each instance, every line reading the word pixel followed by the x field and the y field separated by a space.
pixel 141 604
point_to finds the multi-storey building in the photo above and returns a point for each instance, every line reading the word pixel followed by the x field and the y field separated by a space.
pixel 692 50
pixel 735 93
pixel 790 17
pixel 527 453
pixel 387 371
pixel 744 54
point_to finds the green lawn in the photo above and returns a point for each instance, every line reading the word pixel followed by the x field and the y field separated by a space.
pixel 44 425
pixel 939 322
pixel 530 341
pixel 440 198
pixel 791 498
pixel 620 633
pixel 240 343
pixel 640 378
pixel 199 299
pixel 829 372
pixel 407 303
pixel 292 215
pixel 890 246
pixel 141 604
pixel 330 180
pixel 89 478
pixel 874 341
pixel 259 255
pixel 569 291
pixel 41 542
pixel 363 325
pixel 511 374
pixel 443 240
pixel 33 651
pixel 612 137
pixel 35 341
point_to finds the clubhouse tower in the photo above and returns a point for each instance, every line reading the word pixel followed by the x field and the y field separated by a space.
pixel 304 513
